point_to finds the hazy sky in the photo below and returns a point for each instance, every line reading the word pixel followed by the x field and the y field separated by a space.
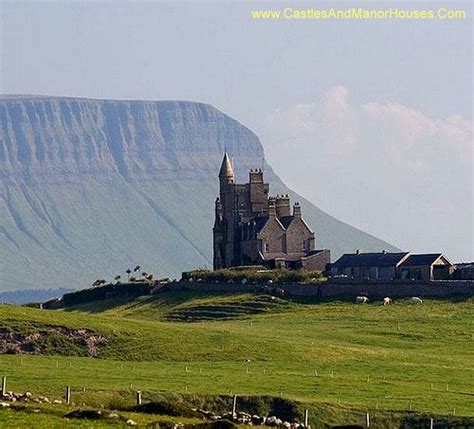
pixel 371 120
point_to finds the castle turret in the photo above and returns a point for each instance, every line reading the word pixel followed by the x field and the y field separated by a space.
pixel 226 175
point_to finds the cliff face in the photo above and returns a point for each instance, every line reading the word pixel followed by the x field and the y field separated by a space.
pixel 91 187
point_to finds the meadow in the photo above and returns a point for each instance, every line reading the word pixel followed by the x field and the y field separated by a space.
pixel 337 359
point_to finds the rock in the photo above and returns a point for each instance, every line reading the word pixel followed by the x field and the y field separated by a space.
pixel 273 421
pixel 4 404
pixel 131 422
pixel 57 401
pixel 257 420
pixel 113 416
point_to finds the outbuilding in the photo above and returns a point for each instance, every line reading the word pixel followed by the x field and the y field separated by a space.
pixel 430 266
pixel 380 265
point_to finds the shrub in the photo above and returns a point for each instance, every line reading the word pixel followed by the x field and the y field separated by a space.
pixel 254 275
pixel 165 407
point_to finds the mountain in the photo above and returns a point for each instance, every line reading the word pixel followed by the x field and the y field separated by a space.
pixel 26 296
pixel 89 188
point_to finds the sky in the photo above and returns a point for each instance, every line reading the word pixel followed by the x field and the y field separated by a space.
pixel 370 120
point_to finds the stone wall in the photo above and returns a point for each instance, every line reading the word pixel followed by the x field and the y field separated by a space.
pixel 346 290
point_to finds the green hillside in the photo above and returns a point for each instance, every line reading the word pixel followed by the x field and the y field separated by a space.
pixel 337 359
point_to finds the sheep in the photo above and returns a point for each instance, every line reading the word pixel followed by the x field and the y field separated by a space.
pixel 416 300
pixel 362 300
pixel 387 301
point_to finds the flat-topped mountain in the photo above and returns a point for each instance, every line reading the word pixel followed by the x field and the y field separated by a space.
pixel 91 187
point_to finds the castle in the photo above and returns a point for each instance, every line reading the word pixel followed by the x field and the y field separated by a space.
pixel 252 228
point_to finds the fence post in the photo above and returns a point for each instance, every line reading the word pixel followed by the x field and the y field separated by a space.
pixel 139 397
pixel 367 420
pixel 4 385
pixel 68 394
pixel 306 418
pixel 234 405
pixel 431 423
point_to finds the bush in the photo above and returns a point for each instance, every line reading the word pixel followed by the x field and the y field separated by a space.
pixel 107 291
pixel 177 409
pixel 254 275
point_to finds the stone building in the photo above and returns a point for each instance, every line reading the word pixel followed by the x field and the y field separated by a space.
pixel 386 265
pixel 380 265
pixel 252 228
pixel 431 266
pixel 464 271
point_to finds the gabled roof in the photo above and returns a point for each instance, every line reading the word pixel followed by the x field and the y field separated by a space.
pixel 286 221
pixel 380 259
pixel 423 259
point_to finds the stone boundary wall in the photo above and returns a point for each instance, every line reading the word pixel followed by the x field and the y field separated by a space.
pixel 343 289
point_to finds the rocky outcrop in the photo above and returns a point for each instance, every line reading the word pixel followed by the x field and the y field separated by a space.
pixel 90 187
pixel 82 342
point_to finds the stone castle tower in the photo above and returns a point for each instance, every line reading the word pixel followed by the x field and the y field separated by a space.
pixel 251 228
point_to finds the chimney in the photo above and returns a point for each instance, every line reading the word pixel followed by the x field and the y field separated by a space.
pixel 256 176
pixel 297 210
pixel 271 207
pixel 283 206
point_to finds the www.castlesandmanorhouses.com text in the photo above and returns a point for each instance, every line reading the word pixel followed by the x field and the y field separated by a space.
pixel 358 13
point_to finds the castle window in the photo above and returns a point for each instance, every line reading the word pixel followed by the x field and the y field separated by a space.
pixel 266 247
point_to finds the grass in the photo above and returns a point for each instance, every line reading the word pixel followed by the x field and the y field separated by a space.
pixel 338 357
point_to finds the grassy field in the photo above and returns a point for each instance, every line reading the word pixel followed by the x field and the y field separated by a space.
pixel 338 357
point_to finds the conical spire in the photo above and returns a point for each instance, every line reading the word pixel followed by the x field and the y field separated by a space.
pixel 227 172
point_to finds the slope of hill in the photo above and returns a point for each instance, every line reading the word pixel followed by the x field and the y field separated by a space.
pixel 339 355
pixel 90 187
